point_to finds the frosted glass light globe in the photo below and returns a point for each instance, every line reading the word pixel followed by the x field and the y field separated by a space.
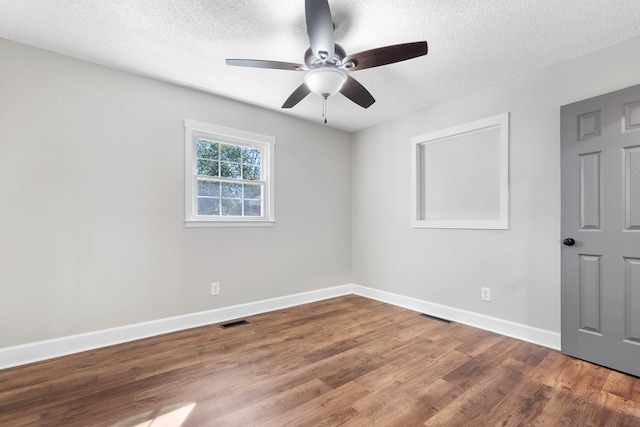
pixel 325 81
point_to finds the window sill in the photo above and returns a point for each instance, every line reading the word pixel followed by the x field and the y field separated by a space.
pixel 228 224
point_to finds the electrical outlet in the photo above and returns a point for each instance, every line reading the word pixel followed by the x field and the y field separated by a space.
pixel 485 294
pixel 215 288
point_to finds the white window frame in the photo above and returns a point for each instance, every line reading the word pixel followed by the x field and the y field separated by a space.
pixel 196 129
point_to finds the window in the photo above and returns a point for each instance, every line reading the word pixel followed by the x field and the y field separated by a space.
pixel 229 176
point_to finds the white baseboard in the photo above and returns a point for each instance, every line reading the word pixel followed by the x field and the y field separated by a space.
pixel 503 327
pixel 43 350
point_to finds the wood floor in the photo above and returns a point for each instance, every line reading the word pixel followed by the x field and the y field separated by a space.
pixel 347 361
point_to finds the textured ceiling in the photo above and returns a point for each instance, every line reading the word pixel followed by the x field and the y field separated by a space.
pixel 472 43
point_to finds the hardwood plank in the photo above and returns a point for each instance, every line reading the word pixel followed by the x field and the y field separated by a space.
pixel 468 374
pixel 393 409
pixel 271 407
pixel 479 399
pixel 524 404
pixel 623 385
pixel 347 361
pixel 326 406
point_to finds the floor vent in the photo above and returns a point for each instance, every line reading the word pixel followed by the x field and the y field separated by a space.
pixel 232 324
pixel 440 319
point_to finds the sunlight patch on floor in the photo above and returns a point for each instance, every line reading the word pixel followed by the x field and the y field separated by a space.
pixel 174 418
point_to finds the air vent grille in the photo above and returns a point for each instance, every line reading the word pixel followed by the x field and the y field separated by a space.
pixel 439 319
pixel 233 324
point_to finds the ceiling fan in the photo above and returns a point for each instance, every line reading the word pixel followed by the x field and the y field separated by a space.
pixel 327 64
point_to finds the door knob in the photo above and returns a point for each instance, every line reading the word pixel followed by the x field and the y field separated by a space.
pixel 568 242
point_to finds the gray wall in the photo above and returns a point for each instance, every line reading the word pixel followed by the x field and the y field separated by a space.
pixel 520 265
pixel 92 202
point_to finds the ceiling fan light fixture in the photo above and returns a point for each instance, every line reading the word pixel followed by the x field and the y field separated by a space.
pixel 325 81
pixel 329 62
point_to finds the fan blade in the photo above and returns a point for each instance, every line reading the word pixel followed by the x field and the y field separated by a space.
pixel 297 96
pixel 386 55
pixel 353 90
pixel 320 28
pixel 258 63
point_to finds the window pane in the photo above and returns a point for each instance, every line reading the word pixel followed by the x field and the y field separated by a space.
pixel 230 153
pixel 252 208
pixel 252 191
pixel 232 191
pixel 208 188
pixel 232 207
pixel 207 149
pixel 251 173
pixel 230 176
pixel 208 206
pixel 230 170
pixel 207 167
pixel 251 156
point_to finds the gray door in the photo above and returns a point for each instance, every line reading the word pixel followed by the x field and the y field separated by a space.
pixel 601 230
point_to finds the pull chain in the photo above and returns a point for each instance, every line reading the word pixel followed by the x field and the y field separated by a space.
pixel 324 108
